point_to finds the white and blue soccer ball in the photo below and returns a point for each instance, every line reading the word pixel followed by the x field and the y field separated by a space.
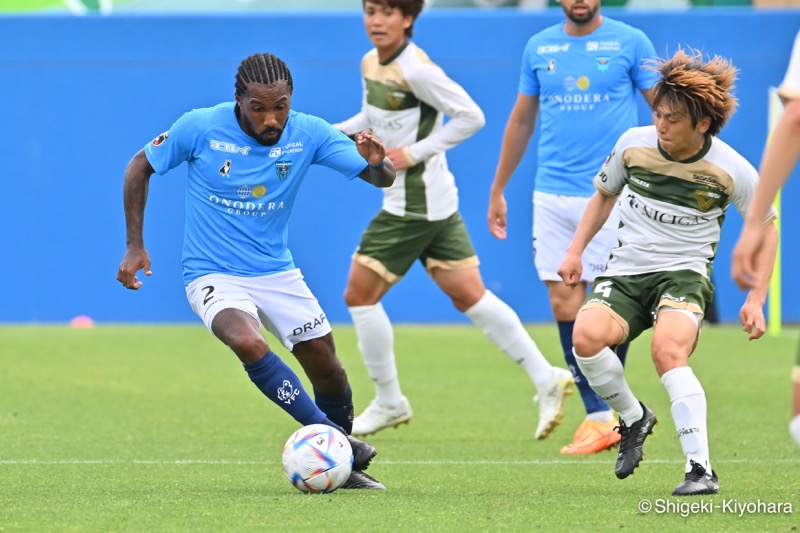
pixel 317 458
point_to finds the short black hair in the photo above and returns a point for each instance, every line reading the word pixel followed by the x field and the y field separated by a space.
pixel 409 8
pixel 262 68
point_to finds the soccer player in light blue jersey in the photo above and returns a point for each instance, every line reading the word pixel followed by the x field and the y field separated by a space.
pixel 579 79
pixel 246 162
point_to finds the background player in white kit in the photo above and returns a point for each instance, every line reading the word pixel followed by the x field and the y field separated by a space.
pixel 405 99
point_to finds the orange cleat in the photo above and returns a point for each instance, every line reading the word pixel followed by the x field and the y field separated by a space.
pixel 592 437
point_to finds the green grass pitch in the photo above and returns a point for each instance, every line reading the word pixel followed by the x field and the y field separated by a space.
pixel 157 428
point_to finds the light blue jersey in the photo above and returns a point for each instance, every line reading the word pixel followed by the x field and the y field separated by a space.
pixel 240 193
pixel 587 93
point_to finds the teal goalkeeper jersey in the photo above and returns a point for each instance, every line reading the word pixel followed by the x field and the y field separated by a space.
pixel 240 193
pixel 587 94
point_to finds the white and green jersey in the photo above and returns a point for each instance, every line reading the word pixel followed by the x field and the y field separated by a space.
pixel 404 104
pixel 671 212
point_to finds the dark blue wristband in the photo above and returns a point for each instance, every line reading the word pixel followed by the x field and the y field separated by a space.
pixel 376 167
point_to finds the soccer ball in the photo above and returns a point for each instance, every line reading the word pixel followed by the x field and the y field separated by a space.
pixel 317 458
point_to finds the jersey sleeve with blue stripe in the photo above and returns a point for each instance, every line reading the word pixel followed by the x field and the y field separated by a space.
pixel 240 193
pixel 587 89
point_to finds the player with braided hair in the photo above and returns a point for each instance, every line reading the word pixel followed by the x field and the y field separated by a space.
pixel 677 180
pixel 246 162
pixel 265 69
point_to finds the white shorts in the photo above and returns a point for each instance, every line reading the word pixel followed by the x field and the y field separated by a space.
pixel 555 219
pixel 282 302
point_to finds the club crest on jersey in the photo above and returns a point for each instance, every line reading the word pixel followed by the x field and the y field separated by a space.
pixel 225 170
pixel 282 169
pixel 395 99
pixel 158 141
pixel 706 200
pixel 602 63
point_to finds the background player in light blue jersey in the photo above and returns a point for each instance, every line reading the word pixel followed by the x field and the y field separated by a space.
pixel 246 161
pixel 581 77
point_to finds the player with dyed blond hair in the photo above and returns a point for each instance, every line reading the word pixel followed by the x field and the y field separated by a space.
pixel 673 180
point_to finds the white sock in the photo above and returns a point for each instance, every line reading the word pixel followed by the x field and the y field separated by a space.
pixel 376 343
pixel 502 325
pixel 606 376
pixel 689 413
pixel 794 429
